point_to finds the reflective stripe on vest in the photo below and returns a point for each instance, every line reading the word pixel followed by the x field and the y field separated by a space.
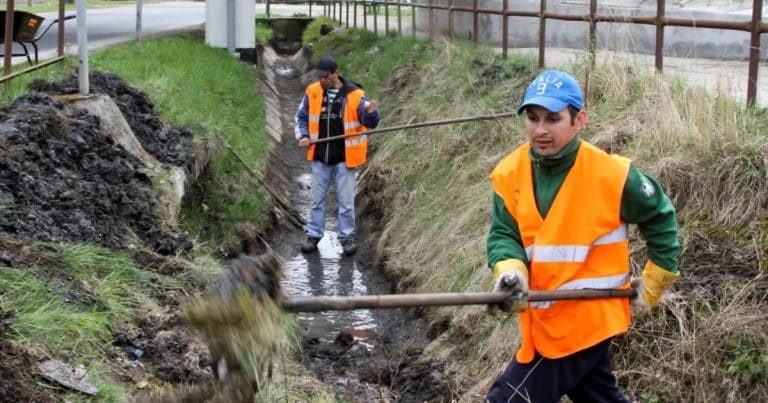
pixel 572 253
pixel 355 147
pixel 582 243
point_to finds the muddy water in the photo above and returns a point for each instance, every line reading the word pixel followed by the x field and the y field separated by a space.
pixel 327 272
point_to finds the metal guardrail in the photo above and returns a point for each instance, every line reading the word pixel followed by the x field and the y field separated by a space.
pixel 335 9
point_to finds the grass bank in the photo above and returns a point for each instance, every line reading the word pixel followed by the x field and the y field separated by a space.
pixel 73 302
pixel 706 342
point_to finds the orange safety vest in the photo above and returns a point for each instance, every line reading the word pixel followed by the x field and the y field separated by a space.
pixel 581 244
pixel 355 147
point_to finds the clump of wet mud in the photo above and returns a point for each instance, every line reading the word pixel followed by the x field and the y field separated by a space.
pixel 241 325
pixel 358 373
pixel 62 179
pixel 166 143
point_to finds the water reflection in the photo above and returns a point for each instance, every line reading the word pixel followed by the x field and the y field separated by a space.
pixel 328 272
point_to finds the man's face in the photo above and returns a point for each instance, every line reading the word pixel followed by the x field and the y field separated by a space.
pixel 330 79
pixel 548 132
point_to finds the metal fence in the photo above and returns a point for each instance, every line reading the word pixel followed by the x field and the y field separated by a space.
pixel 346 12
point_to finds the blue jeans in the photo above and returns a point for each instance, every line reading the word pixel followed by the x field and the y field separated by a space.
pixel 345 199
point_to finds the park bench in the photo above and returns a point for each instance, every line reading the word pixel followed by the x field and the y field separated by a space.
pixel 28 28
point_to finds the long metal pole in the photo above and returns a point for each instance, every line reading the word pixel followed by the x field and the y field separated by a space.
pixel 754 52
pixel 422 124
pixel 231 26
pixel 60 39
pixel 318 304
pixel 82 49
pixel 139 10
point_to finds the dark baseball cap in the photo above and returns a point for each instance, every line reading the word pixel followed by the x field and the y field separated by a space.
pixel 326 65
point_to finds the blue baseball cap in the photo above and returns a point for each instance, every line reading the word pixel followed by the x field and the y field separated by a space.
pixel 553 90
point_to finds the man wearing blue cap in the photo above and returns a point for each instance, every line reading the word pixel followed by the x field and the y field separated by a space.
pixel 560 212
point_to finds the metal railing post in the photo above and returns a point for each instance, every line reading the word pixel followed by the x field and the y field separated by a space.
pixel 754 51
pixel 376 18
pixel 659 51
pixel 505 29
pixel 542 32
pixel 9 5
pixel 474 22
pixel 450 19
pixel 429 9
pixel 399 20
pixel 386 18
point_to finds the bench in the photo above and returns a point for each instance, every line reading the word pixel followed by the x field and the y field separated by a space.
pixel 28 28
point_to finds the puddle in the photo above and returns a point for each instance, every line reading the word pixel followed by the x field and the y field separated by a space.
pixel 327 272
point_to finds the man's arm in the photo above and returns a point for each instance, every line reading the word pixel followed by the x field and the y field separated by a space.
pixel 644 203
pixel 368 112
pixel 301 125
pixel 504 240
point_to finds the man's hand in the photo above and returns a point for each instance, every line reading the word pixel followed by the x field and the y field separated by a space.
pixel 304 142
pixel 652 285
pixel 371 106
pixel 510 275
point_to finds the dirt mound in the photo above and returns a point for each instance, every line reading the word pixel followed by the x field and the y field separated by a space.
pixel 63 180
pixel 167 144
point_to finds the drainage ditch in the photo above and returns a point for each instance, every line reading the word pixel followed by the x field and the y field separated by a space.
pixel 361 355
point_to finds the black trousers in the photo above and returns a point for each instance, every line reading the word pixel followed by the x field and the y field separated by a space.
pixel 585 376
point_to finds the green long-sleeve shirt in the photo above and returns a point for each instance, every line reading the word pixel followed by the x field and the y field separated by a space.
pixel 643 202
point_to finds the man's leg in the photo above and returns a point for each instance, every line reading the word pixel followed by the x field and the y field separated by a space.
pixel 543 380
pixel 599 385
pixel 345 197
pixel 321 179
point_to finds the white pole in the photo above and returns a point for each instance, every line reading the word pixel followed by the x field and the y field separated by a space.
pixel 139 8
pixel 231 26
pixel 82 48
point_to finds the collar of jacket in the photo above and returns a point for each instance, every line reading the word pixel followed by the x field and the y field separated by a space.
pixel 346 86
pixel 562 161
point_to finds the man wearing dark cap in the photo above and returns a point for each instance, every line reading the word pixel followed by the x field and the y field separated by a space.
pixel 334 107
pixel 560 212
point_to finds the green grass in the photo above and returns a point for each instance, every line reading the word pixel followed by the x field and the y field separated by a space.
pixel 73 303
pixel 75 309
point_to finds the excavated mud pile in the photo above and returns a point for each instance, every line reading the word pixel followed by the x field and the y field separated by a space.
pixel 166 143
pixel 63 180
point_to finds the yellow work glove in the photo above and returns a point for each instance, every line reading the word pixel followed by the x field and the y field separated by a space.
pixel 510 275
pixel 652 285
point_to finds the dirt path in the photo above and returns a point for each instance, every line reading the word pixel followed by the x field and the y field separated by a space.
pixel 362 355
